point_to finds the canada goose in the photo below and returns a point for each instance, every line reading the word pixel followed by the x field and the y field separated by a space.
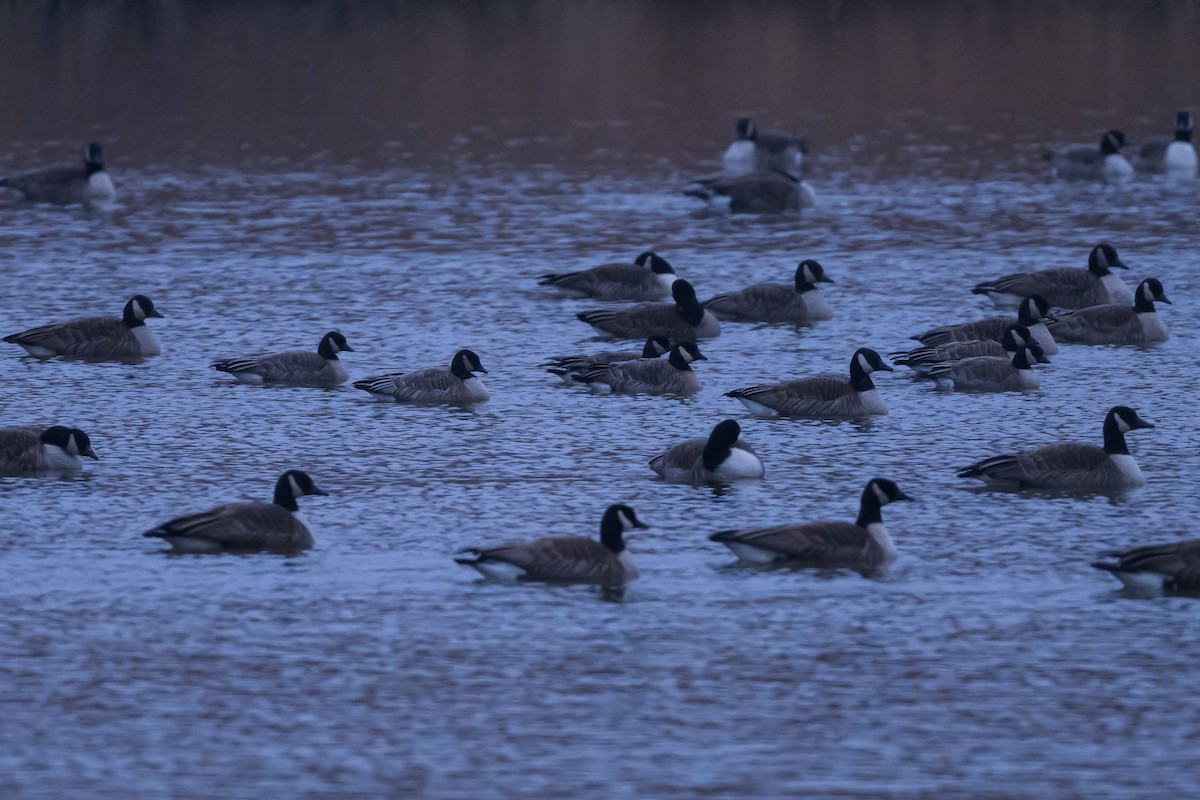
pixel 563 366
pixel 777 302
pixel 296 367
pixel 1088 162
pixel 1016 336
pixel 1031 313
pixel 564 559
pixel 88 184
pixel 762 192
pixel 864 546
pixel 454 384
pixel 1163 567
pixel 29 450
pixel 1115 324
pixel 673 375
pixel 1172 154
pixel 630 282
pixel 1069 465
pixel 685 321
pixel 763 150
pixel 990 373
pixel 720 457
pixel 821 396
pixel 1064 287
pixel 126 336
pixel 275 527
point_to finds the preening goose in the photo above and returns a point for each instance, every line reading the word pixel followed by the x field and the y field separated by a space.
pixel 563 366
pixel 454 384
pixel 763 150
pixel 821 396
pixel 126 336
pixel 1175 155
pixel 648 278
pixel 32 450
pixel 1064 287
pixel 798 303
pixel 1032 313
pixel 922 359
pixel 1115 324
pixel 720 457
pixel 88 184
pixel 1089 162
pixel 672 375
pixel 684 321
pixel 1164 567
pixel 762 192
pixel 293 367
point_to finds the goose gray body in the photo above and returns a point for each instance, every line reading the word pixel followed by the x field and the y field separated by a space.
pixel 923 359
pixel 1064 287
pixel 648 278
pixel 989 373
pixel 1091 162
pixel 821 396
pixel 292 367
pixel 720 457
pixel 685 320
pixel 246 527
pixel 763 150
pixel 1031 313
pixel 87 184
pixel 761 192
pixel 1070 466
pixel 798 303
pixel 564 366
pixel 1115 324
pixel 1162 567
pixel 654 376
pixel 126 336
pixel 33 450
pixel 455 384
pixel 864 545
pixel 1175 154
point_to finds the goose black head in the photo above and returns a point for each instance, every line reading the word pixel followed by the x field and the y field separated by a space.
pixel 658 265
pixel 868 361
pixel 333 343
pixel 1126 419
pixel 69 440
pixel 1033 309
pixel 138 309
pixel 1112 142
pixel 93 158
pixel 808 274
pixel 684 353
pixel 1103 258
pixel 683 293
pixel 618 520
pixel 655 346
pixel 464 363
pixel 1150 291
pixel 1183 127
pixel 746 130
pixel 885 491
pixel 293 484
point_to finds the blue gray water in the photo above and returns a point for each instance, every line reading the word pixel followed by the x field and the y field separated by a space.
pixel 990 662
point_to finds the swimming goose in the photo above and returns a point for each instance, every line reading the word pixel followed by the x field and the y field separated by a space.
pixel 673 375
pixel 685 321
pixel 454 384
pixel 564 559
pixel 1064 287
pixel 864 545
pixel 629 282
pixel 29 450
pixel 991 373
pixel 563 366
pixel 1070 465
pixel 762 192
pixel 1113 323
pixel 1031 313
pixel 821 396
pixel 777 302
pixel 274 527
pixel 295 367
pixel 1088 162
pixel 126 336
pixel 763 150
pixel 1175 155
pixel 1164 567
pixel 88 184
pixel 720 457
pixel 922 359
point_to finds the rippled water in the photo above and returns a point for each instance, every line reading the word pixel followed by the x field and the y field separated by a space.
pixel 991 661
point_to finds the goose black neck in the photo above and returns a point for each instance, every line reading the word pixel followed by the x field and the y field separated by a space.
pixel 860 379
pixel 691 311
pixel 1143 304
pixel 802 285
pixel 1107 147
pixel 1183 135
pixel 283 494
pixel 715 453
pixel 92 167
pixel 459 370
pixel 1114 440
pixel 868 509
pixel 677 361
pixel 1021 359
pixel 612 533
pixel 325 349
pixel 129 318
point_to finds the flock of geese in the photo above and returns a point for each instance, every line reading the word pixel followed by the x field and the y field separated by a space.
pixel 762 172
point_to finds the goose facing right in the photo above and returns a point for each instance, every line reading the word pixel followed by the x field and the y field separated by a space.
pixel 454 384
pixel 648 278
pixel 821 396
pixel 1089 162
pixel 32 450
pixel 723 456
pixel 87 184
pixel 864 545
pixel 292 367
pixel 1071 466
pixel 654 376
pixel 274 527
pixel 1113 323
pixel 798 303
pixel 1064 287
pixel 761 192
pixel 1171 567
pixel 126 336
pixel 1032 313
pixel 923 359
pixel 1175 155
pixel 684 321
pixel 991 374
pixel 564 366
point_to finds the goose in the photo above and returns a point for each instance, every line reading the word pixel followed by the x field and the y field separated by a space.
pixel 990 373
pixel 30 449
pixel 1113 323
pixel 1031 313
pixel 760 192
pixel 763 150
pixel 1175 155
pixel 777 302
pixel 1164 567
pixel 126 336
pixel 87 184
pixel 1069 465
pixel 454 384
pixel 294 367
pixel 720 457
pixel 564 559
pixel 1064 287
pixel 628 282
pixel 563 366
pixel 274 527
pixel 685 321
pixel 821 396
pixel 673 375
pixel 1088 162
pixel 864 545
pixel 1015 336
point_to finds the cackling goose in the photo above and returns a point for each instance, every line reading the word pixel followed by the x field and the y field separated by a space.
pixel 1088 162
pixel 1031 313
pixel 821 396
pixel 990 373
pixel 295 367
pixel 29 450
pixel 1174 155
pixel 88 184
pixel 684 321
pixel 454 384
pixel 672 375
pixel 1064 287
pixel 1165 567
pixel 763 192
pixel 763 150
pixel 563 366
pixel 922 359
pixel 1113 323
pixel 798 303
pixel 625 282
pixel 126 336
pixel 720 457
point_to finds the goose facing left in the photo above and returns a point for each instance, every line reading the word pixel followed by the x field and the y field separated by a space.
pixel 1113 323
pixel 1064 287
pixel 564 559
pixel 455 384
pixel 126 336
pixel 88 183
pixel 684 321
pixel 275 527
pixel 32 450
pixel 648 278
pixel 822 396
pixel 723 456
pixel 864 545
pixel 292 367
pixel 798 303
pixel 1171 567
